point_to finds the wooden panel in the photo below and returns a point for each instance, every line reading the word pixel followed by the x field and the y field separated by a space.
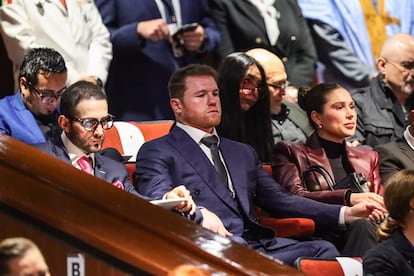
pixel 112 225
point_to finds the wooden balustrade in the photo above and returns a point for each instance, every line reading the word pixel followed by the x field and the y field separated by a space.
pixel 66 211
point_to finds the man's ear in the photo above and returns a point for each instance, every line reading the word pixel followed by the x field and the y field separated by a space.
pixel 176 105
pixel 64 123
pixel 381 64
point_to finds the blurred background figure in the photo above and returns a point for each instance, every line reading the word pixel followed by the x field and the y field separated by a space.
pixel 278 26
pixel 348 35
pixel 395 254
pixel 146 51
pixel 74 28
pixel 20 256
pixel 322 168
pixel 289 121
pixel 245 103
pixel 398 155
pixel 382 115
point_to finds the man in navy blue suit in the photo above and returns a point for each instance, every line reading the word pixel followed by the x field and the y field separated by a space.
pixel 145 54
pixel 227 204
pixel 84 118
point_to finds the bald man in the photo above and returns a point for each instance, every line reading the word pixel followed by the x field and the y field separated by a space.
pixel 289 121
pixel 382 116
pixel 20 256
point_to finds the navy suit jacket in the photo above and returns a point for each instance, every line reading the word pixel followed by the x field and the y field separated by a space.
pixel 105 168
pixel 140 69
pixel 176 159
pixel 18 121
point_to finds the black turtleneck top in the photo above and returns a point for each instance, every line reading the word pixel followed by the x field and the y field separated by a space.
pixel 338 159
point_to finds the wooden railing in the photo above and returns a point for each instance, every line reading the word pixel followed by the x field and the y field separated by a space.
pixel 67 211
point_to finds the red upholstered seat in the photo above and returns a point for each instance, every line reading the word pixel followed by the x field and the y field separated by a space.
pixel 331 267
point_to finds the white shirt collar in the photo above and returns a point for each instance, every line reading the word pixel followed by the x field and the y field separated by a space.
pixel 74 152
pixel 197 134
pixel 408 137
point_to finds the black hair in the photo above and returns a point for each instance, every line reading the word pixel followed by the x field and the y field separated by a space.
pixel 41 59
pixel 313 99
pixel 253 126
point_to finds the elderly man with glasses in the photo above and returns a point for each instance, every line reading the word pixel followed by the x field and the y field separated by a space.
pixel 31 114
pixel 382 114
pixel 289 121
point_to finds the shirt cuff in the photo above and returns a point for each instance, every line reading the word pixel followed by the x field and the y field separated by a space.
pixel 341 221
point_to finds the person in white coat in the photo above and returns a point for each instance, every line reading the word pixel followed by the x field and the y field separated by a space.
pixel 74 28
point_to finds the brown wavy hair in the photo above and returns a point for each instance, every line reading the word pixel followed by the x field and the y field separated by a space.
pixel 399 191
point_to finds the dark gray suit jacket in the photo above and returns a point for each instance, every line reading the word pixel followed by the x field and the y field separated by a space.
pixel 242 27
pixel 395 156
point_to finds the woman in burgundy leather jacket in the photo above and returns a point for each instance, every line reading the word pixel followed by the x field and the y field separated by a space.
pixel 315 169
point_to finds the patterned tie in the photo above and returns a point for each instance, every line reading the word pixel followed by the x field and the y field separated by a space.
pixel 211 142
pixel 85 164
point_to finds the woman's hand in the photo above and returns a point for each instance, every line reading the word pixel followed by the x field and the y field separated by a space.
pixel 366 197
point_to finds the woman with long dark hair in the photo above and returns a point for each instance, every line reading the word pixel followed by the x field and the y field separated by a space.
pixel 245 103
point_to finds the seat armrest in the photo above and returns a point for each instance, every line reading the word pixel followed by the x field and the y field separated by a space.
pixel 290 227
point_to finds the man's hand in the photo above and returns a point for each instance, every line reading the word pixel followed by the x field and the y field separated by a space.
pixel 155 30
pixel 366 197
pixel 193 40
pixel 212 222
pixel 187 205
pixel 371 210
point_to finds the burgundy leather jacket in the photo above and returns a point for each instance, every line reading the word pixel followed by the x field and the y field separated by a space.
pixel 291 159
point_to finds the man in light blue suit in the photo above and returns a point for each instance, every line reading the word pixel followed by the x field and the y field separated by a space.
pixel 228 207
pixel 31 114
pixel 145 54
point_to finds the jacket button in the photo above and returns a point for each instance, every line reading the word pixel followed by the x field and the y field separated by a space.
pixel 259 40
pixel 197 192
pixel 293 38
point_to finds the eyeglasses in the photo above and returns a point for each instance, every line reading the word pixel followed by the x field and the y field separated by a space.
pixel 90 124
pixel 282 85
pixel 47 96
pixel 403 67
pixel 248 88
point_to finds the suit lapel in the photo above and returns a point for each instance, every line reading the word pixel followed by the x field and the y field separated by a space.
pixel 250 11
pixel 193 154
pixel 235 166
pixel 99 170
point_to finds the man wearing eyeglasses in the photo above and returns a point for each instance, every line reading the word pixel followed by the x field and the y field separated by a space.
pixel 83 120
pixel 31 114
pixel 382 115
pixel 289 121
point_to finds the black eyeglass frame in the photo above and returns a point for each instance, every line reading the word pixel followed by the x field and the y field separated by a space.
pixel 279 86
pixel 109 120
pixel 48 98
